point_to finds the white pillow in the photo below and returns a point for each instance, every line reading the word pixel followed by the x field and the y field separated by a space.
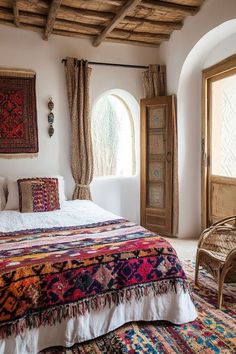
pixel 2 193
pixel 13 192
pixel 3 183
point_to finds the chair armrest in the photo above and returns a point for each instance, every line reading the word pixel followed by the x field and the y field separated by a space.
pixel 219 226
pixel 203 236
pixel 223 221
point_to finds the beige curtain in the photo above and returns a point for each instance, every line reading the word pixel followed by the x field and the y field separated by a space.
pixel 77 80
pixel 154 81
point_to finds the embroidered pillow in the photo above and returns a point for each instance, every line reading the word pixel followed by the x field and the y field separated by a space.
pixel 38 194
pixel 13 192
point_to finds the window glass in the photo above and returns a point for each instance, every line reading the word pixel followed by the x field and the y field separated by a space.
pixel 113 137
pixel 224 127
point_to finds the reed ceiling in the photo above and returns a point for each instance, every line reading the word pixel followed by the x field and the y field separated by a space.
pixel 139 22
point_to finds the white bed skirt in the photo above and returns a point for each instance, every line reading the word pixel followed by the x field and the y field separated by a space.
pixel 176 308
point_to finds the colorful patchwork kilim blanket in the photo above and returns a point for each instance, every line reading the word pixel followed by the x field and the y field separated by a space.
pixel 47 275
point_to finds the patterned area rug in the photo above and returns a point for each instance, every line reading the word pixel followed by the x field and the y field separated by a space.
pixel 213 332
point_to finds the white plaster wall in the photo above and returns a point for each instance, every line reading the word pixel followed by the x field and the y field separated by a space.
pixel 223 50
pixel 25 49
pixel 174 52
pixel 200 43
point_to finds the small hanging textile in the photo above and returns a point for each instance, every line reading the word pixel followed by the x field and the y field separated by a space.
pixel 18 114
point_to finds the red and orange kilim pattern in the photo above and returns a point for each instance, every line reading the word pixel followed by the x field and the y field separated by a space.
pixel 48 275
pixel 18 119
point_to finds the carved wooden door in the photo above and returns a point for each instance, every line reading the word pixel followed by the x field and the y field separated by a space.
pixel 156 164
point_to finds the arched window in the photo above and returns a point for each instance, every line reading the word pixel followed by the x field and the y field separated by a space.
pixel 113 137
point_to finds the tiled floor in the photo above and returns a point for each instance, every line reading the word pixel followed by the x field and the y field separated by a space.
pixel 186 249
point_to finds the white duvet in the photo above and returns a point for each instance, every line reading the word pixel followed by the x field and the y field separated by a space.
pixel 176 308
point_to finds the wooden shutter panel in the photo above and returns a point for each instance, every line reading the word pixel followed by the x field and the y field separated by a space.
pixel 157 164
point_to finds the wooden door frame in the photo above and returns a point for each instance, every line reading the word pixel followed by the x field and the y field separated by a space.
pixel 218 71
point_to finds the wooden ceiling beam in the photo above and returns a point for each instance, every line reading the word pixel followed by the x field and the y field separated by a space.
pixel 130 5
pixel 16 13
pixel 163 5
pixel 52 14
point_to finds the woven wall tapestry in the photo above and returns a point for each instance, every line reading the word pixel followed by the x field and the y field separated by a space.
pixel 18 116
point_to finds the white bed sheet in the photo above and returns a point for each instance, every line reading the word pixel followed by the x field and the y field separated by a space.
pixel 176 308
pixel 72 213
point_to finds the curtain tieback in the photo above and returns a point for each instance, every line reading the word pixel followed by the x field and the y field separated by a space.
pixel 78 185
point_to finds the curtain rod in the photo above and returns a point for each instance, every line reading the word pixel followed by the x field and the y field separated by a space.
pixel 114 64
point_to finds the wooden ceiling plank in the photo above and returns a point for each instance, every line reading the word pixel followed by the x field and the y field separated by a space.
pixel 164 24
pixel 132 42
pixel 130 5
pixel 6 13
pixel 157 4
pixel 72 34
pixel 76 3
pixel 84 15
pixel 52 14
pixel 76 27
pixel 38 6
pixel 128 34
pixel 23 26
pixel 6 3
pixel 34 20
pixel 6 17
pixel 16 13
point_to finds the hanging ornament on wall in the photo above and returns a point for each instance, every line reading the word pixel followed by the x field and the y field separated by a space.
pixel 50 117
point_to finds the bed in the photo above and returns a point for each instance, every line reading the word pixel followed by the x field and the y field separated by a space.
pixel 76 273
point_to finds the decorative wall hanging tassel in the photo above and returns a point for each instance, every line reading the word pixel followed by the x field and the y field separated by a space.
pixel 50 117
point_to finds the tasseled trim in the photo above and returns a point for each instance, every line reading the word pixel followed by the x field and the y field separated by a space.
pixel 19 156
pixel 55 315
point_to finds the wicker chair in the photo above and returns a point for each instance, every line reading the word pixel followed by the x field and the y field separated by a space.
pixel 217 253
